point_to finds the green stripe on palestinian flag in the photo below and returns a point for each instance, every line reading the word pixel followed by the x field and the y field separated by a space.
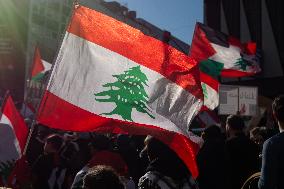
pixel 13 135
pixel 40 66
pixel 110 77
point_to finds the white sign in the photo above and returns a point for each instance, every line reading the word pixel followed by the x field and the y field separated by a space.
pixel 238 99
pixel 248 100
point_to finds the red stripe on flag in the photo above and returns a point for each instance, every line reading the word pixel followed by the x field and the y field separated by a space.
pixel 60 114
pixel 214 84
pixel 250 48
pixel 235 42
pixel 235 73
pixel 18 123
pixel 133 44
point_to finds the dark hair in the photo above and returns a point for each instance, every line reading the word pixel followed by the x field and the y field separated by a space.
pixel 235 122
pixel 169 162
pixel 212 132
pixel 55 140
pixel 278 108
pixel 100 142
pixel 102 176
pixel 156 148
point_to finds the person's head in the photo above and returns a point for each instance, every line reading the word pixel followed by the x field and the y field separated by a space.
pixel 42 132
pixel 234 124
pixel 257 135
pixel 53 144
pixel 99 142
pixel 278 111
pixel 102 176
pixel 154 148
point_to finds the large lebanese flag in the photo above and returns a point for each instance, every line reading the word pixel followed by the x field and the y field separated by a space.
pixel 110 77
pixel 13 135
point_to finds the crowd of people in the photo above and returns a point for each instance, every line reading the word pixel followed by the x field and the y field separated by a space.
pixel 227 158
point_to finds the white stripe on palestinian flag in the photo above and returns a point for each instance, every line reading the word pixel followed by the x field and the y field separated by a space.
pixel 227 56
pixel 46 65
pixel 9 145
pixel 211 96
pixel 77 84
pixel 110 77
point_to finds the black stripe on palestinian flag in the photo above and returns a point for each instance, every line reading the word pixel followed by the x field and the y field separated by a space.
pixel 214 36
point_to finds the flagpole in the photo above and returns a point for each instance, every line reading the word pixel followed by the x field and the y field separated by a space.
pixel 75 6
pixel 4 102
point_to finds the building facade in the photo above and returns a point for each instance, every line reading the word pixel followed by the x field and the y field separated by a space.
pixel 13 32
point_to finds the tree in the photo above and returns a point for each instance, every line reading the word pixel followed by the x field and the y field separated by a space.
pixel 127 93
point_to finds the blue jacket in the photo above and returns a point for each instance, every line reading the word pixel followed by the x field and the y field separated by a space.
pixel 272 169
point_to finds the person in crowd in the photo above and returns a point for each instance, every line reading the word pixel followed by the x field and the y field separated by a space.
pixel 241 153
pixel 259 134
pixel 211 158
pixel 126 147
pixel 75 153
pixel 272 169
pixel 101 176
pixel 36 142
pixel 165 170
pixel 102 155
pixel 49 171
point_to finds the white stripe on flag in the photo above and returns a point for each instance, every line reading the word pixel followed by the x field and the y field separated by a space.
pixel 9 145
pixel 211 99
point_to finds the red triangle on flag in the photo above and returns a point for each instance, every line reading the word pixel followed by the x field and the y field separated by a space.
pixel 37 63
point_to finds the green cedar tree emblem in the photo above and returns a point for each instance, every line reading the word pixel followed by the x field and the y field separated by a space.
pixel 241 64
pixel 127 93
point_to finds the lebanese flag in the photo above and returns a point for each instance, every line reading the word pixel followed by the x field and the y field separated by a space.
pixel 13 136
pixel 40 66
pixel 110 77
pixel 221 55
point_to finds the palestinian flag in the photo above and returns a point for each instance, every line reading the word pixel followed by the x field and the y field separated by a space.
pixel 221 55
pixel 13 135
pixel 110 77
pixel 40 67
